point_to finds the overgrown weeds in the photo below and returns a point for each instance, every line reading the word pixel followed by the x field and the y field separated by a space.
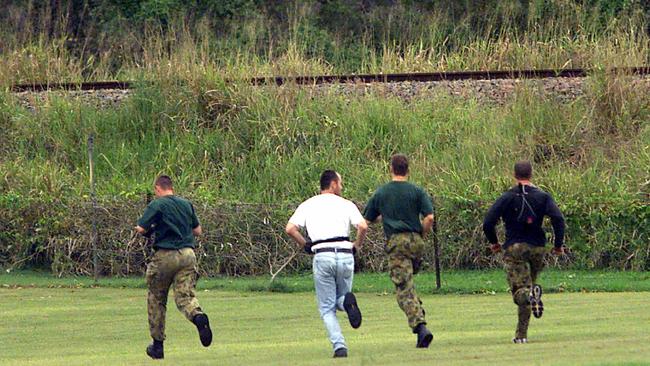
pixel 297 40
pixel 249 155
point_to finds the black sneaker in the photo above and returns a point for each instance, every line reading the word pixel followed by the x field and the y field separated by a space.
pixel 203 326
pixel 535 299
pixel 424 336
pixel 519 340
pixel 341 352
pixel 351 307
pixel 155 352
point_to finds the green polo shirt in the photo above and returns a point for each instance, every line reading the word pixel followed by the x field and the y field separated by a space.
pixel 401 206
pixel 172 219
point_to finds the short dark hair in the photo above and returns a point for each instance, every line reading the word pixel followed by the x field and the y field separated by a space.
pixel 400 164
pixel 327 178
pixel 523 169
pixel 164 182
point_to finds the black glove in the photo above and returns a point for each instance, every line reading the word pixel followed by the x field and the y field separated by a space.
pixel 307 247
pixel 417 263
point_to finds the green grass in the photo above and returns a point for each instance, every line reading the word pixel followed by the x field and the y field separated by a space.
pixel 108 327
pixel 453 282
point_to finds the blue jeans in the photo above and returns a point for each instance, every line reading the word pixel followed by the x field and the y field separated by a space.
pixel 333 274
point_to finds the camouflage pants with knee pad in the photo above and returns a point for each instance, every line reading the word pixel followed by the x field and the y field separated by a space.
pixel 402 249
pixel 170 267
pixel 523 263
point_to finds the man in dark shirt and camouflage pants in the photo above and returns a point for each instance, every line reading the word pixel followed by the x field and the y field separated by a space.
pixel 174 224
pixel 400 205
pixel 522 209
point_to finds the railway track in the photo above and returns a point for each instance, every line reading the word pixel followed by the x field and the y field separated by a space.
pixel 353 78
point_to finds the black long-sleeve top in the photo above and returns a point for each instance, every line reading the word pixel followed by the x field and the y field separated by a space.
pixel 522 209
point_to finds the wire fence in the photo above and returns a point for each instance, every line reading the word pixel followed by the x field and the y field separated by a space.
pixel 249 239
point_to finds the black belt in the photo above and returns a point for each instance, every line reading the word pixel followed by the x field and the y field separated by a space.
pixel 334 250
pixel 331 240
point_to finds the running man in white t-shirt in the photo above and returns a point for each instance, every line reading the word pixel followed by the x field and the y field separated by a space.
pixel 327 218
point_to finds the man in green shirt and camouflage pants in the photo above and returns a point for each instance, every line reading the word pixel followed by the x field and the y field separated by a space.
pixel 173 221
pixel 400 205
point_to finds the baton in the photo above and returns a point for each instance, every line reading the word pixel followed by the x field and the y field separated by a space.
pixel 436 250
pixel 149 233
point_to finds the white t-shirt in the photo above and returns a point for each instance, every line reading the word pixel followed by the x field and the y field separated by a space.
pixel 327 216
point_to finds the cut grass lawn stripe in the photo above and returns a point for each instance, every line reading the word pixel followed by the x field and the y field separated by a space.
pixel 105 326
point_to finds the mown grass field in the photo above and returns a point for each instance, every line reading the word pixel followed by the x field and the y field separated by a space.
pixel 108 326
pixel 461 282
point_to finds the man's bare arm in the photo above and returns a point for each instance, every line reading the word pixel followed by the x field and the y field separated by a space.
pixel 294 232
pixel 427 224
pixel 362 230
pixel 140 230
pixel 197 231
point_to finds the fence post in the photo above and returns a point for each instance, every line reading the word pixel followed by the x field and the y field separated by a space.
pixel 93 199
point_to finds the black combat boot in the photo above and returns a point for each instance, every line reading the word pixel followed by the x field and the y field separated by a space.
pixel 155 350
pixel 424 336
pixel 535 299
pixel 351 307
pixel 341 352
pixel 203 326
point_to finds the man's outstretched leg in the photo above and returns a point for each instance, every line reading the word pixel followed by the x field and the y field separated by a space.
pixel 158 283
pixel 345 299
pixel 156 308
pixel 324 266
pixel 185 295
pixel 401 273
pixel 536 262
pixel 518 273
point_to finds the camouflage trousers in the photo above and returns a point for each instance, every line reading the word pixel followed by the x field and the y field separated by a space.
pixel 523 263
pixel 167 268
pixel 402 249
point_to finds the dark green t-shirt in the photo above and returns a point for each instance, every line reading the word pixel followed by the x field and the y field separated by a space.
pixel 400 205
pixel 172 219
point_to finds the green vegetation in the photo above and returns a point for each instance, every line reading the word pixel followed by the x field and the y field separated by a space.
pixel 108 326
pixel 81 40
pixel 247 155
pixel 453 282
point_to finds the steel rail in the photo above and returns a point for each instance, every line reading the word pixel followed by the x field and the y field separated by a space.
pixel 94 85
pixel 442 76
pixel 358 78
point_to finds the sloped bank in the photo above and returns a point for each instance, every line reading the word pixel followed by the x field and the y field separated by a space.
pixel 226 146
